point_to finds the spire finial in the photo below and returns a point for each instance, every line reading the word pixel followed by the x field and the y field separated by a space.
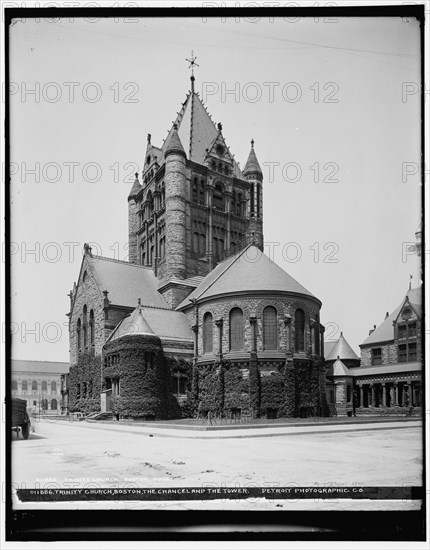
pixel 252 143
pixel 136 174
pixel 192 64
pixel 410 281
pixel 149 138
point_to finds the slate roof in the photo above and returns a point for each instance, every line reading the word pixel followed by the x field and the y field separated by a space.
pixel 252 164
pixel 50 367
pixel 136 187
pixel 196 130
pixel 392 368
pixel 340 349
pixel 249 271
pixel 385 331
pixel 339 369
pixel 126 282
pixel 174 143
pixel 167 324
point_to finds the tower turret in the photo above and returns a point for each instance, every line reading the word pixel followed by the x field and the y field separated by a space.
pixel 254 175
pixel 133 220
pixel 176 208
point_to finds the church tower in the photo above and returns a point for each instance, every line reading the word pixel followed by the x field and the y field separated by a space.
pixel 254 176
pixel 195 207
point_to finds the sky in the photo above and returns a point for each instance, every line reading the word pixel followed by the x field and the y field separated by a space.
pixel 333 107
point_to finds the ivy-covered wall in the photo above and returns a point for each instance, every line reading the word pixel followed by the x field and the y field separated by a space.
pixel 147 381
pixel 85 384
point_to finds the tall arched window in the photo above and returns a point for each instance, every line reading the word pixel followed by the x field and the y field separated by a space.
pixel 78 334
pixel 91 327
pixel 218 197
pixel 53 387
pixel 207 333
pixel 24 385
pixel 53 405
pixel 252 199
pixel 299 330
pixel 236 329
pixel 270 328
pixel 44 386
pixel 34 386
pixel 84 325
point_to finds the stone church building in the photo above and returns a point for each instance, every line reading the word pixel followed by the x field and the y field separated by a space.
pixel 199 320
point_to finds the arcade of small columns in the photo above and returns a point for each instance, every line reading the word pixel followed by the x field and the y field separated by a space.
pixel 394 393
pixel 317 345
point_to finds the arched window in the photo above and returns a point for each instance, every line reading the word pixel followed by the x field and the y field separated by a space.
pixel 44 404
pixel 202 193
pixel 236 329
pixel 44 386
pixel 270 328
pixel 258 200
pixel 84 325
pixel 91 327
pixel 24 385
pixel 218 197
pixel 53 405
pixel 150 204
pixel 34 386
pixel 78 334
pixel 15 385
pixel 53 387
pixel 207 333
pixel 252 199
pixel 299 330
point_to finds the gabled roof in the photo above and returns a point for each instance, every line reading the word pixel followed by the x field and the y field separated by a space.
pixel 126 282
pixel 49 367
pixel 250 271
pixel 340 349
pixel 385 331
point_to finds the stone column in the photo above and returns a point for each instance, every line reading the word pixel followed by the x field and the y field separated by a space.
pixel 287 321
pixel 218 324
pixel 396 395
pixel 195 329
pixel 410 393
pixel 253 323
pixel 384 395
pixel 370 395
pixel 312 326
pixel 361 396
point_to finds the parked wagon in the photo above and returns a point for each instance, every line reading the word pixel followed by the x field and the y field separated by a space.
pixel 20 419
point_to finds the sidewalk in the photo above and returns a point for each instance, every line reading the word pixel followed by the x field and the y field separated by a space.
pixel 182 431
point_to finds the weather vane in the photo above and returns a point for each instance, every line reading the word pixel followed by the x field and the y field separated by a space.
pixel 192 63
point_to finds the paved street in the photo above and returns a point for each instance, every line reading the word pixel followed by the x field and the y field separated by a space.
pixel 91 454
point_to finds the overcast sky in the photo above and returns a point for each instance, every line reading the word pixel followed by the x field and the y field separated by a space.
pixel 334 103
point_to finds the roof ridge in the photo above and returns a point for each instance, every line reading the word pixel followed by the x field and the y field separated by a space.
pixel 120 261
pixel 224 271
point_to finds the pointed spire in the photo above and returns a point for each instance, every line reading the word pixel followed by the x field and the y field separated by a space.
pixel 252 164
pixel 175 144
pixel 136 187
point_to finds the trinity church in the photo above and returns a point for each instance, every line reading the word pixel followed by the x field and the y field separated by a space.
pixel 199 320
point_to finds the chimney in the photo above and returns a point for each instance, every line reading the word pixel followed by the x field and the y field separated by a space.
pixel 372 330
pixel 386 315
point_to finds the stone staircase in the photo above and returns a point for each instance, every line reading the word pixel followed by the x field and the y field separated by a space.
pixel 416 412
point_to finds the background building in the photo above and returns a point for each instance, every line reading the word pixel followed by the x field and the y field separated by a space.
pixel 39 383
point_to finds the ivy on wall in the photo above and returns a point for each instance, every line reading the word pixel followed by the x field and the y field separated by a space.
pixel 288 406
pixel 86 374
pixel 254 388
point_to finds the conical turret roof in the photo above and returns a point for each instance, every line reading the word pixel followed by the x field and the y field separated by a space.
pixel 174 145
pixel 341 349
pixel 252 164
pixel 133 325
pixel 135 188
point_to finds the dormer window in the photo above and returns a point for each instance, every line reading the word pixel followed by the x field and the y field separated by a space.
pixel 377 356
pixel 401 331
pixel 412 330
pixel 220 150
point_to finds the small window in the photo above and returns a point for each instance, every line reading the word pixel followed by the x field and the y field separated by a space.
pixel 403 353
pixel 299 326
pixel 270 328
pixel 207 333
pixel 377 356
pixel 236 329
